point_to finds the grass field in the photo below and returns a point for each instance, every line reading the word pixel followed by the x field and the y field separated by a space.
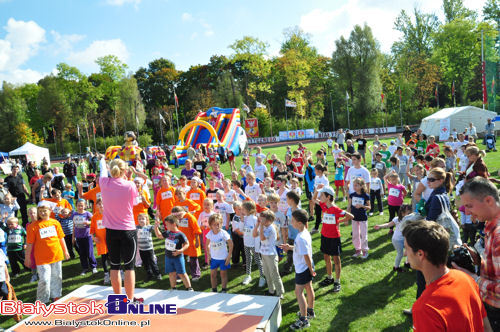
pixel 372 296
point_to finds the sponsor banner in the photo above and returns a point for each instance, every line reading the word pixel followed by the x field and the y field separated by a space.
pixel 356 132
pixel 263 140
pixel 301 134
pixel 252 127
pixel 309 133
pixel 444 129
pixel 292 135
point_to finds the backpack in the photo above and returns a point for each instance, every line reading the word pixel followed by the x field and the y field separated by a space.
pixel 446 220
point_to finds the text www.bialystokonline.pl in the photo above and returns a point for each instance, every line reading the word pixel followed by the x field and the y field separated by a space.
pixel 94 323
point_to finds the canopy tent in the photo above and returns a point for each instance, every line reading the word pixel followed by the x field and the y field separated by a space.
pixel 32 153
pixel 458 117
pixel 3 156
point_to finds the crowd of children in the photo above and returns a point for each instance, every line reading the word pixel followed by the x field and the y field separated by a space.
pixel 253 216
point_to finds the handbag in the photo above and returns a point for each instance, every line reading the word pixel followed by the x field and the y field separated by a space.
pixel 446 220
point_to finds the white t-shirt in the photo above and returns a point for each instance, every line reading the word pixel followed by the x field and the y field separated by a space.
pixel 282 204
pixel 354 173
pixel 229 196
pixel 336 154
pixel 428 191
pixel 302 246
pixel 268 246
pixel 392 149
pixel 224 208
pixel 375 184
pixel 253 191
pixel 237 224
pixel 280 222
pixel 247 168
pixel 203 218
pixel 321 180
pixel 329 142
pixel 398 232
pixel 218 244
pixel 3 258
pixel 248 226
pixel 260 171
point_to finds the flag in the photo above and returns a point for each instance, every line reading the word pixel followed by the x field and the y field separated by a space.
pixel 162 119
pixel 137 120
pixel 453 89
pixel 346 95
pixel 493 86
pixel 54 132
pixel 176 100
pixel 485 92
pixel 93 127
pixel 245 108
pixel 290 103
pixel 382 97
pixel 436 93
pixel 78 130
pixel 259 105
pixel 400 99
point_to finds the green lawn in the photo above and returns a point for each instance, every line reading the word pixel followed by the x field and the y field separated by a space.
pixel 372 296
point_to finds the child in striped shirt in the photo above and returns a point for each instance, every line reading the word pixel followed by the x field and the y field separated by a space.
pixel 146 249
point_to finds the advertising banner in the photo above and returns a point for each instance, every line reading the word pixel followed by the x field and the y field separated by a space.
pixel 252 127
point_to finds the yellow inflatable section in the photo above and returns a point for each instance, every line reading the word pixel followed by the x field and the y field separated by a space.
pixel 195 123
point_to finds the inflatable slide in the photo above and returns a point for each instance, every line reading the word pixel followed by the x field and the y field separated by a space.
pixel 215 127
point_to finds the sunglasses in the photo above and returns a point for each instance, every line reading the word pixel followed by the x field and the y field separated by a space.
pixel 432 180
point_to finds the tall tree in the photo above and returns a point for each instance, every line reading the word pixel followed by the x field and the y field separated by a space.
pixel 12 113
pixel 454 9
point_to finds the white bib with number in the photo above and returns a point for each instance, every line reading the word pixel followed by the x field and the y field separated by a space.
pixel 217 246
pixel 248 231
pixel 358 200
pixel 98 196
pixel 48 232
pixel 169 245
pixel 143 233
pixel 183 222
pixel 329 219
pixel 99 224
pixel 394 192
pixel 156 181
pixel 194 196
pixel 138 200
pixel 79 221
pixel 166 195
pixel 15 238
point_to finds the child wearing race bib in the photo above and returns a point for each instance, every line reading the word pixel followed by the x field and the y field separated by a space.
pixel 16 239
pixel 212 189
pixel 196 194
pixel 146 249
pixel 165 197
pixel 69 195
pixel 218 247
pixel 188 204
pixel 208 210
pixel 331 245
pixel 98 233
pixel 175 245
pixel 339 179
pixel 237 233
pixel 398 240
pixel 57 201
pixel 81 235
pixel 268 186
pixel 142 201
pixel 320 181
pixel 359 203
pixel 223 208
pixel 189 227
pixel 252 189
pixel 280 220
pixel 65 218
pixel 33 218
pixel 376 192
pixel 252 245
pixel 395 195
pixel 269 235
pixel 156 178
pixel 45 239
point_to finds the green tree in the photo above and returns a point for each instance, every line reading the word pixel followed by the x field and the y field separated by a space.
pixel 227 93
pixel 454 9
pixel 491 11
pixel 129 107
pixel 12 113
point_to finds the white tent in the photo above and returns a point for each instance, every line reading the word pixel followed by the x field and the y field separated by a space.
pixel 32 153
pixel 459 118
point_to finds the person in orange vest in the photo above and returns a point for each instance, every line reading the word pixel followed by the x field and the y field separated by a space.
pixel 98 232
pixel 165 197
pixel 196 194
pixel 142 202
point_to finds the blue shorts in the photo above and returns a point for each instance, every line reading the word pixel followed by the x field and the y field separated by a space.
pixel 175 264
pixel 303 278
pixel 219 263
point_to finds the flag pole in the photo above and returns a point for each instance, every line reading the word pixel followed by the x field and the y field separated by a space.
pixel 483 73
pixel 79 141
pixel 176 114
pixel 347 106
pixel 286 118
pixel 270 122
pixel 400 108
pixel 93 134
pixel 161 128
pixel 331 108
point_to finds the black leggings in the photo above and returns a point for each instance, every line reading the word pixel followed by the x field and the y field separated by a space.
pixel 122 246
pixel 393 212
pixel 317 212
pixel 375 194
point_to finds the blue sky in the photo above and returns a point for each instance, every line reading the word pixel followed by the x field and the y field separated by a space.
pixel 36 35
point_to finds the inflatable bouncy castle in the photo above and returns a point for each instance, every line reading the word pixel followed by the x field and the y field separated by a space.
pixel 213 128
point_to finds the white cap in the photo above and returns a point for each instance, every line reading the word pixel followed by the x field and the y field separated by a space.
pixel 327 190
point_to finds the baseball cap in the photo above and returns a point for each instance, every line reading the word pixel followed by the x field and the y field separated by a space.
pixel 327 190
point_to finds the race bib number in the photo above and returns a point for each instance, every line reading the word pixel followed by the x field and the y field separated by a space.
pixel 156 181
pixel 99 224
pixel 329 219
pixel 402 162
pixel 169 245
pixel 198 167
pixel 379 166
pixel 48 232
pixel 143 234
pixel 15 238
pixel 98 196
pixel 229 197
pixel 248 231
pixel 183 222
pixel 212 196
pixel 79 221
pixel 166 195
pixel 194 196
pixel 358 200
pixel 217 246
pixel 394 192
pixel 56 209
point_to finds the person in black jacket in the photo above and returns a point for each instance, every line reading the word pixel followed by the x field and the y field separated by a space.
pixel 70 171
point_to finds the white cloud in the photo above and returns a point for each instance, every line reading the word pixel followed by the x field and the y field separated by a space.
pixel 326 26
pixel 64 43
pixel 98 49
pixel 208 28
pixel 122 2
pixel 19 76
pixel 186 17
